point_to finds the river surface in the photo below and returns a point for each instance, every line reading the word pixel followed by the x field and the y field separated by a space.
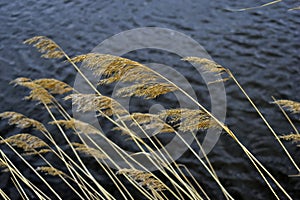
pixel 260 47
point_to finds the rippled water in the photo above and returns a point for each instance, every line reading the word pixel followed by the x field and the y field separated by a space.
pixel 260 46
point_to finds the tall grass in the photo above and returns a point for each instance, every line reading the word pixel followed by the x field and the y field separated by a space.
pixel 171 180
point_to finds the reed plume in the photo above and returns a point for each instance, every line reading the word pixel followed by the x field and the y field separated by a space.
pixel 118 69
pixel 46 46
pixel 22 121
pixel 188 120
pixel 29 143
pixel 290 105
pixel 149 122
pixel 94 102
pixel 37 93
pixel 144 178
pixel 86 150
pixel 51 171
pixel 79 126
pixel 292 137
pixel 53 86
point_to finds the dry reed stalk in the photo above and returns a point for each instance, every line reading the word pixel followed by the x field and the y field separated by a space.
pixel 286 116
pixel 256 7
pixel 70 123
pixel 3 195
pixel 17 174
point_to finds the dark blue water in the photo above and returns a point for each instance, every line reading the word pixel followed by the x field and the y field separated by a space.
pixel 261 47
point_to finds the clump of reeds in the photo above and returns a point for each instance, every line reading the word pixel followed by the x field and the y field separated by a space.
pixel 172 179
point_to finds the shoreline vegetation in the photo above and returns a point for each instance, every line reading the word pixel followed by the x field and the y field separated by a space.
pixel 172 180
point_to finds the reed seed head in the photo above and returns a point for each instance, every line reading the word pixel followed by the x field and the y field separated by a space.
pixel 53 86
pixel 46 46
pixel 29 143
pixel 113 68
pixel 37 92
pixel 188 119
pixel 94 102
pixel 22 121
pixel 292 137
pixel 79 126
pixel 206 64
pixel 144 178
pixel 292 106
pixel 82 148
pixel 51 171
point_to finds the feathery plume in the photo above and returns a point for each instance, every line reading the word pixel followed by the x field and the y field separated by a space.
pixel 107 65
pixel 292 106
pixel 82 148
pixel 53 86
pixel 293 137
pixel 29 143
pixel 94 102
pixel 46 46
pixel 113 68
pixel 188 120
pixel 51 171
pixel 146 179
pixel 22 121
pixel 149 122
pixel 148 90
pixel 206 64
pixel 37 92
pixel 77 125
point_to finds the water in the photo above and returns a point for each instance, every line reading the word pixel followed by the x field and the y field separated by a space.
pixel 260 46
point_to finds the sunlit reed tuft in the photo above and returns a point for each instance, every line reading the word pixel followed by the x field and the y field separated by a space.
pixel 46 46
pixel 290 105
pixel 29 143
pixel 22 121
pixel 144 178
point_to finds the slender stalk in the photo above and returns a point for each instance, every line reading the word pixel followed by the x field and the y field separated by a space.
pixel 264 119
pixel 286 116
pixel 19 188
pixel 30 166
pixel 2 193
pixel 108 195
pixel 12 168
pixel 225 128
